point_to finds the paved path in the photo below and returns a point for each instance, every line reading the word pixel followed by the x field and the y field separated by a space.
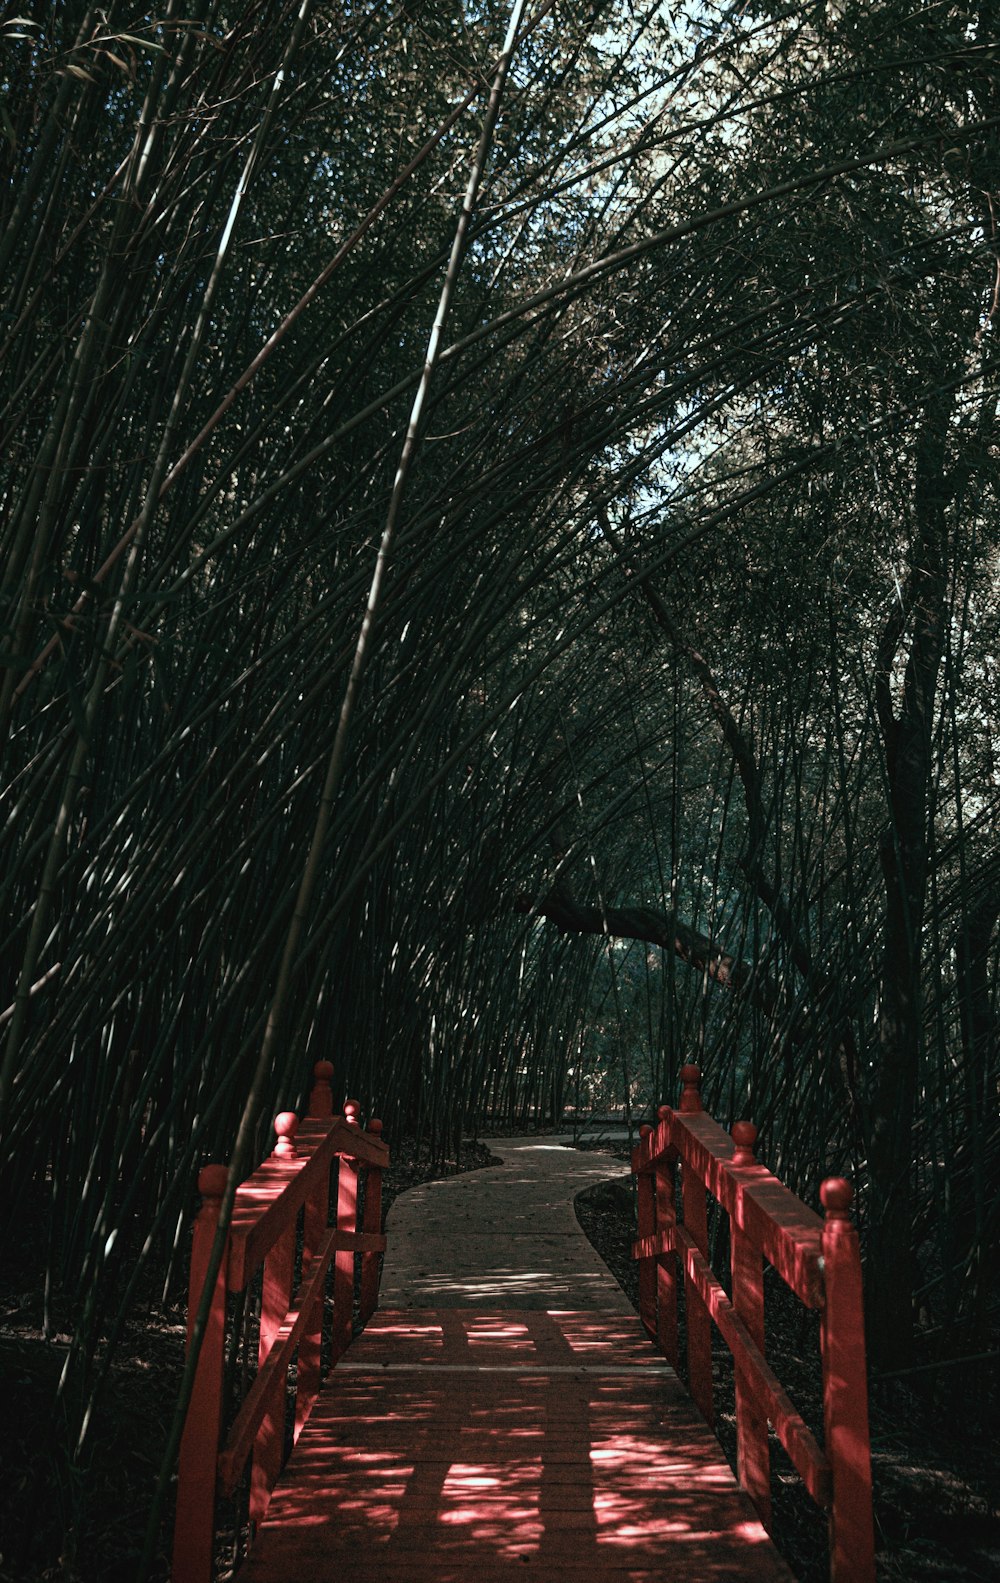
pixel 504 1414
pixel 503 1237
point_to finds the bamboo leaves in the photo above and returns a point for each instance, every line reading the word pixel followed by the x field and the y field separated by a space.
pixel 260 531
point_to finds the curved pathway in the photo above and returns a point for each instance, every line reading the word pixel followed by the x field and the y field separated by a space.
pixel 504 1415
pixel 504 1237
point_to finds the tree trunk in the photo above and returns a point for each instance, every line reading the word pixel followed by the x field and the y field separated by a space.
pixel 907 735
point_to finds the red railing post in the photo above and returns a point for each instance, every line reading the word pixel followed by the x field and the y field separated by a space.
pixel 690 1104
pixel 194 1523
pixel 372 1223
pixel 753 1466
pixel 317 1214
pixel 321 1097
pixel 645 1210
pixel 279 1267
pixel 699 1325
pixel 666 1264
pixel 845 1392
pixel 347 1220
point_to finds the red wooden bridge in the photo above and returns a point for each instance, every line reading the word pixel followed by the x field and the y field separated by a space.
pixel 461 1440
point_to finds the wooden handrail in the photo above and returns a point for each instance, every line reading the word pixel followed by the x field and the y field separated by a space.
pixel 263 1232
pixel 817 1259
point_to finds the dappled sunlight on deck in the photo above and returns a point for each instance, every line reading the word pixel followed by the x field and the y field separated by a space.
pixel 459 1443
pixel 506 1409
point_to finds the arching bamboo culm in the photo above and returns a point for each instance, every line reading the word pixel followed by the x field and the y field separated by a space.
pixel 817 1259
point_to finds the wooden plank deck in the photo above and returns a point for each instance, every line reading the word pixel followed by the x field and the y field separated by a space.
pixel 463 1444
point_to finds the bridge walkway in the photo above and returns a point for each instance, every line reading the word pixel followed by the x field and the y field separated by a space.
pixel 504 1415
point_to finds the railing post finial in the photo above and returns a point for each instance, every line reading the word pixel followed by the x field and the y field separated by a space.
pixel 744 1136
pixel 664 1112
pixel 286 1125
pixel 321 1098
pixel 374 1127
pixel 691 1092
pixel 836 1195
pixel 352 1113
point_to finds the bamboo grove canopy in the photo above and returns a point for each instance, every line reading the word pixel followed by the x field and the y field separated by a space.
pixel 499 590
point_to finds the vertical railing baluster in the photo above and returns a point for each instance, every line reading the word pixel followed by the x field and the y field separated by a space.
pixel 372 1223
pixel 314 1224
pixel 194 1524
pixel 645 1210
pixel 666 1264
pixel 279 1269
pixel 845 1391
pixel 699 1331
pixel 753 1468
pixel 347 1221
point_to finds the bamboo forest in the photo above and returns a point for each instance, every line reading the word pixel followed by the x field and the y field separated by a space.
pixel 500 572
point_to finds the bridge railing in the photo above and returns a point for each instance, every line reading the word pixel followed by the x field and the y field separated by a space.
pixel 280 1222
pixel 817 1259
